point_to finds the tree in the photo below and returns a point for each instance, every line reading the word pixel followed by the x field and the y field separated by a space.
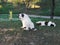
pixel 29 3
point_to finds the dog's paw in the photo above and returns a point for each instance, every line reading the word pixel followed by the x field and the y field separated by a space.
pixel 24 28
pixel 33 29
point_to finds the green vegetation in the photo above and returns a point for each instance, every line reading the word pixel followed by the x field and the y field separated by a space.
pixel 45 8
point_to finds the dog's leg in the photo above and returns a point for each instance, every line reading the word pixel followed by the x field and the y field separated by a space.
pixel 26 28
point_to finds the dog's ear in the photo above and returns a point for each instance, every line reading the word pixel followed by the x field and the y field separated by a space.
pixel 22 15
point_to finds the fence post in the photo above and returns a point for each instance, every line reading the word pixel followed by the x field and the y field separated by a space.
pixel 52 8
pixel 10 15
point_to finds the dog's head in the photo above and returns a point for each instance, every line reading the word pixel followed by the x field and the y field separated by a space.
pixel 51 24
pixel 21 15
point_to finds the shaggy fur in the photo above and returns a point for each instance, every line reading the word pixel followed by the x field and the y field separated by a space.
pixel 27 24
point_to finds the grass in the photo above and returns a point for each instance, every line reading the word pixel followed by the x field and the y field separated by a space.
pixel 12 34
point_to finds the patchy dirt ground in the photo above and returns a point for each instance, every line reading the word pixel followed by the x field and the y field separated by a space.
pixel 21 37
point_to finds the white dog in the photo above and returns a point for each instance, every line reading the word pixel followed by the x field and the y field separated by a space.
pixel 45 23
pixel 26 22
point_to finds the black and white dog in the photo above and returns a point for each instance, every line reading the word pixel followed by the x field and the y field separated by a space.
pixel 27 24
pixel 45 23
